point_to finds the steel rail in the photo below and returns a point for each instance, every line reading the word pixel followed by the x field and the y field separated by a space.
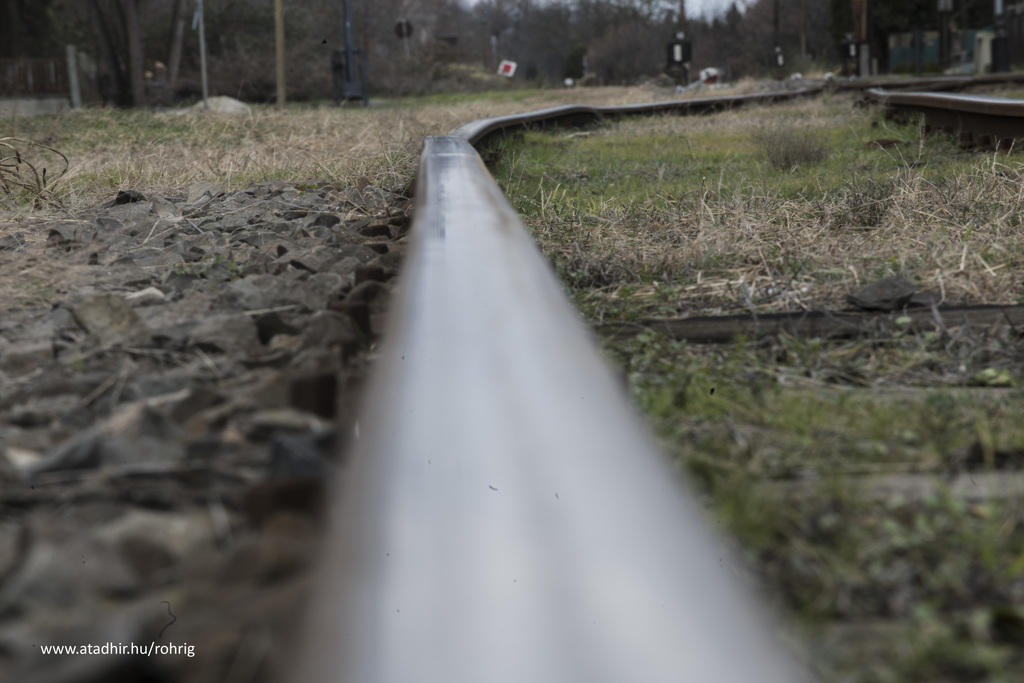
pixel 476 132
pixel 503 516
pixel 928 83
pixel 984 121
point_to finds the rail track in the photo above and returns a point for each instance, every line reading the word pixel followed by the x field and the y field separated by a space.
pixel 930 83
pixel 503 515
pixel 977 120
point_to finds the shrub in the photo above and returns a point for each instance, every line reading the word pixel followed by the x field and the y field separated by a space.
pixel 785 146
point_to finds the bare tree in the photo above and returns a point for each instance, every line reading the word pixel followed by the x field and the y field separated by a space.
pixel 133 34
pixel 177 37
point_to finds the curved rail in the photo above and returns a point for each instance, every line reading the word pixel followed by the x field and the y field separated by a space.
pixel 476 132
pixel 979 120
pixel 504 517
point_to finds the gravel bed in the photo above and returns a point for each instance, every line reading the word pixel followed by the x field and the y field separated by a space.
pixel 178 375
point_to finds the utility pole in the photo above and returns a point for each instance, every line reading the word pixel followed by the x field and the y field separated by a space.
pixel 775 23
pixel 279 45
pixel 349 54
pixel 1000 45
pixel 803 29
pixel 131 19
pixel 197 20
pixel 682 16
pixel 177 38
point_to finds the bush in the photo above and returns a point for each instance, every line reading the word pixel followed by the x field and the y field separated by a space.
pixel 785 146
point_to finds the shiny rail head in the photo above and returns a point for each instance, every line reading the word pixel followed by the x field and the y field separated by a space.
pixel 504 516
pixel 979 104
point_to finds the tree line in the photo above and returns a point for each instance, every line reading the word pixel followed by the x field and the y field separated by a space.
pixel 145 52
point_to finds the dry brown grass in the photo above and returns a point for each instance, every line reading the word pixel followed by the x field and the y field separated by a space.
pixel 786 147
pixel 163 152
pixel 747 242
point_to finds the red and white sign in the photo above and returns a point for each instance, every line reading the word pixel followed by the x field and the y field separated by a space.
pixel 507 68
pixel 709 76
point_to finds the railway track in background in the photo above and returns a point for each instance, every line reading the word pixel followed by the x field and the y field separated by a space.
pixel 976 120
pixel 504 516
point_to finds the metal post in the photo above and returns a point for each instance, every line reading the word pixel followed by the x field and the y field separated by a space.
pixel 76 92
pixel 202 52
pixel 803 30
pixel 349 56
pixel 918 47
pixel 406 31
pixel 872 69
pixel 1000 44
pixel 775 22
pixel 279 45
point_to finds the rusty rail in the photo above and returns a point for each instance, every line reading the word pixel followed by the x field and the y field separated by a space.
pixel 978 120
pixel 503 515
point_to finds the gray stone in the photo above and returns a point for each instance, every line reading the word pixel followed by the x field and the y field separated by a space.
pixel 147 387
pixel 315 259
pixel 13 542
pixel 129 213
pixel 137 432
pixel 146 297
pixel 301 455
pixel 372 293
pixel 13 242
pixel 128 197
pixel 153 257
pixel 888 294
pixel 110 320
pixel 228 223
pixel 179 281
pixel 376 229
pixel 108 225
pixel 325 220
pixel 328 328
pixel 164 208
pixel 360 252
pixel 67 234
pixel 247 294
pixel 372 199
pixel 24 357
pixel 202 191
pixel 312 295
pixel 263 239
pixel 194 402
pixel 39 412
pixel 346 268
pixel 260 425
pixel 269 325
pixel 80 452
pixel 227 333
pixel 173 322
pixel 45 579
pixel 149 541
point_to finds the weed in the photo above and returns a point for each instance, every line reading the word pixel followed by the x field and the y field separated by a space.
pixel 787 147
